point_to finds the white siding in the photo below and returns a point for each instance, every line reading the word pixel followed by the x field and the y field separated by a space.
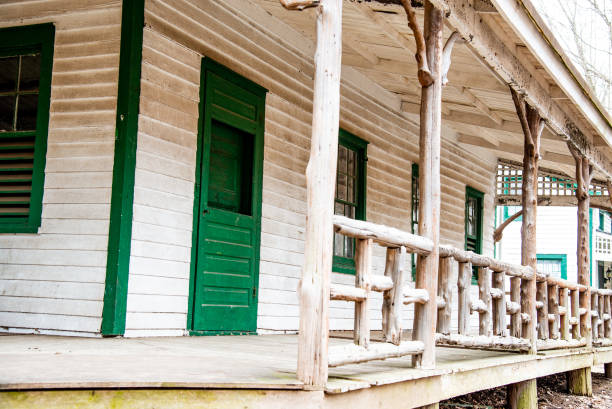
pixel 270 53
pixel 53 281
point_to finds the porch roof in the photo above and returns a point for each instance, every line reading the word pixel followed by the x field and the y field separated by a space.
pixel 478 112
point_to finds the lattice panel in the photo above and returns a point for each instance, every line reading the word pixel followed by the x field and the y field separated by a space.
pixel 550 183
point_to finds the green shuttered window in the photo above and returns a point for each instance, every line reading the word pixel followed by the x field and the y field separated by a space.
pixel 474 206
pixel 26 58
pixel 350 198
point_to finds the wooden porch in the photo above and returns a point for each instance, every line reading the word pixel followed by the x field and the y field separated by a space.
pixel 230 366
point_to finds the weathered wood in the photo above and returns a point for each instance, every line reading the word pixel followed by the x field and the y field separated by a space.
pixel 583 179
pixel 299 4
pixel 484 293
pixel 579 382
pixel 608 370
pixel 547 344
pixel 463 304
pixel 523 395
pixel 415 295
pixel 320 184
pixel 575 318
pixel 532 126
pixel 483 342
pixel 426 78
pixel 564 325
pixel 608 310
pixel 429 184
pixel 445 292
pixel 594 316
pixel 347 293
pixel 380 283
pixel 542 310
pixel 602 315
pixel 454 38
pixel 478 306
pixel 383 235
pixel 499 305
pixel 498 233
pixel 353 354
pixel 515 297
pixel 363 270
pixel 553 309
pixel 463 256
pixel 392 299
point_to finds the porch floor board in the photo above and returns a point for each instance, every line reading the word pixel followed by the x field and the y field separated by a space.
pixel 226 362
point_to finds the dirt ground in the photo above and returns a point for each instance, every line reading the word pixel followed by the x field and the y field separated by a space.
pixel 552 394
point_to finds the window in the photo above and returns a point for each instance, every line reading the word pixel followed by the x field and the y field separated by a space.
pixel 415 212
pixel 473 219
pixel 350 198
pixel 509 211
pixel 26 59
pixel 553 264
pixel 604 222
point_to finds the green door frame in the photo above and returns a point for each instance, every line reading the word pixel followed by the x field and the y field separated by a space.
pixel 560 257
pixel 207 113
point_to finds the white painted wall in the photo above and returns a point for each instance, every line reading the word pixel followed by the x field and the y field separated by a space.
pixel 52 281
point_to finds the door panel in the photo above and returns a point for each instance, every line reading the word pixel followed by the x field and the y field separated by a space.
pixel 228 223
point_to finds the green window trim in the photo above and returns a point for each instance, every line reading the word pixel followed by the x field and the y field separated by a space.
pixel 507 214
pixel 124 169
pixel 346 265
pixel 478 196
pixel 556 257
pixel 18 41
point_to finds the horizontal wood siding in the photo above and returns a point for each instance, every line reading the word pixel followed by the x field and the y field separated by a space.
pixel 249 41
pixel 53 282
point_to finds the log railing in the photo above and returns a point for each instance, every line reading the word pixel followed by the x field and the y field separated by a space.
pixel 492 305
pixel 391 284
pixel 559 313
pixel 501 302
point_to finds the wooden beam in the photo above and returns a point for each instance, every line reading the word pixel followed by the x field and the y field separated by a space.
pixel 474 100
pixel 597 202
pixel 465 19
pixel 314 289
pixel 484 7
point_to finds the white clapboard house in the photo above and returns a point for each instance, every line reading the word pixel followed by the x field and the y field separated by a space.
pixel 155 182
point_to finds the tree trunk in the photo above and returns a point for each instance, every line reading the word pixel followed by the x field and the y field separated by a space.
pixel 320 184
pixel 429 186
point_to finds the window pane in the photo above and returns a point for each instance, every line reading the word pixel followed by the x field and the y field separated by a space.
pixel 342 159
pixel 7 112
pixel 348 247
pixel 352 160
pixel 338 241
pixel 26 112
pixel 341 187
pixel 8 73
pixel 350 195
pixel 30 72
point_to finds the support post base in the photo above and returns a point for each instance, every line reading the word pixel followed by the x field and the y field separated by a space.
pixel 523 395
pixel 579 382
pixel 608 370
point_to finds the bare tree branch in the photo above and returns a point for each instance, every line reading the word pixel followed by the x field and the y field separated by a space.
pixel 455 37
pixel 424 74
pixel 299 4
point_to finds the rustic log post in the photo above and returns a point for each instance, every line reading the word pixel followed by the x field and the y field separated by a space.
pixel 425 315
pixel 464 279
pixel 602 317
pixel 499 304
pixel 579 382
pixel 320 183
pixel 515 296
pixel 392 299
pixel 524 394
pixel 553 309
pixel 542 309
pixel 576 334
pixel 445 292
pixel 484 294
pixel 608 311
pixel 583 179
pixel 608 370
pixel 564 325
pixel 363 269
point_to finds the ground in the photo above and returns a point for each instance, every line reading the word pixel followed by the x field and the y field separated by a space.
pixel 552 394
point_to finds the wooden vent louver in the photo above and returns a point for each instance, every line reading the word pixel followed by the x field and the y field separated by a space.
pixel 16 164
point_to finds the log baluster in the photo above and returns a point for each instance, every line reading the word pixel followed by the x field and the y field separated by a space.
pixel 575 295
pixel 484 293
pixel 601 315
pixel 515 297
pixel 445 294
pixel 564 324
pixel 499 304
pixel 608 312
pixel 542 308
pixel 392 299
pixel 594 315
pixel 463 304
pixel 363 269
pixel 553 311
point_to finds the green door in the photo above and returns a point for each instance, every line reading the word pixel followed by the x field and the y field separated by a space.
pixel 227 208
